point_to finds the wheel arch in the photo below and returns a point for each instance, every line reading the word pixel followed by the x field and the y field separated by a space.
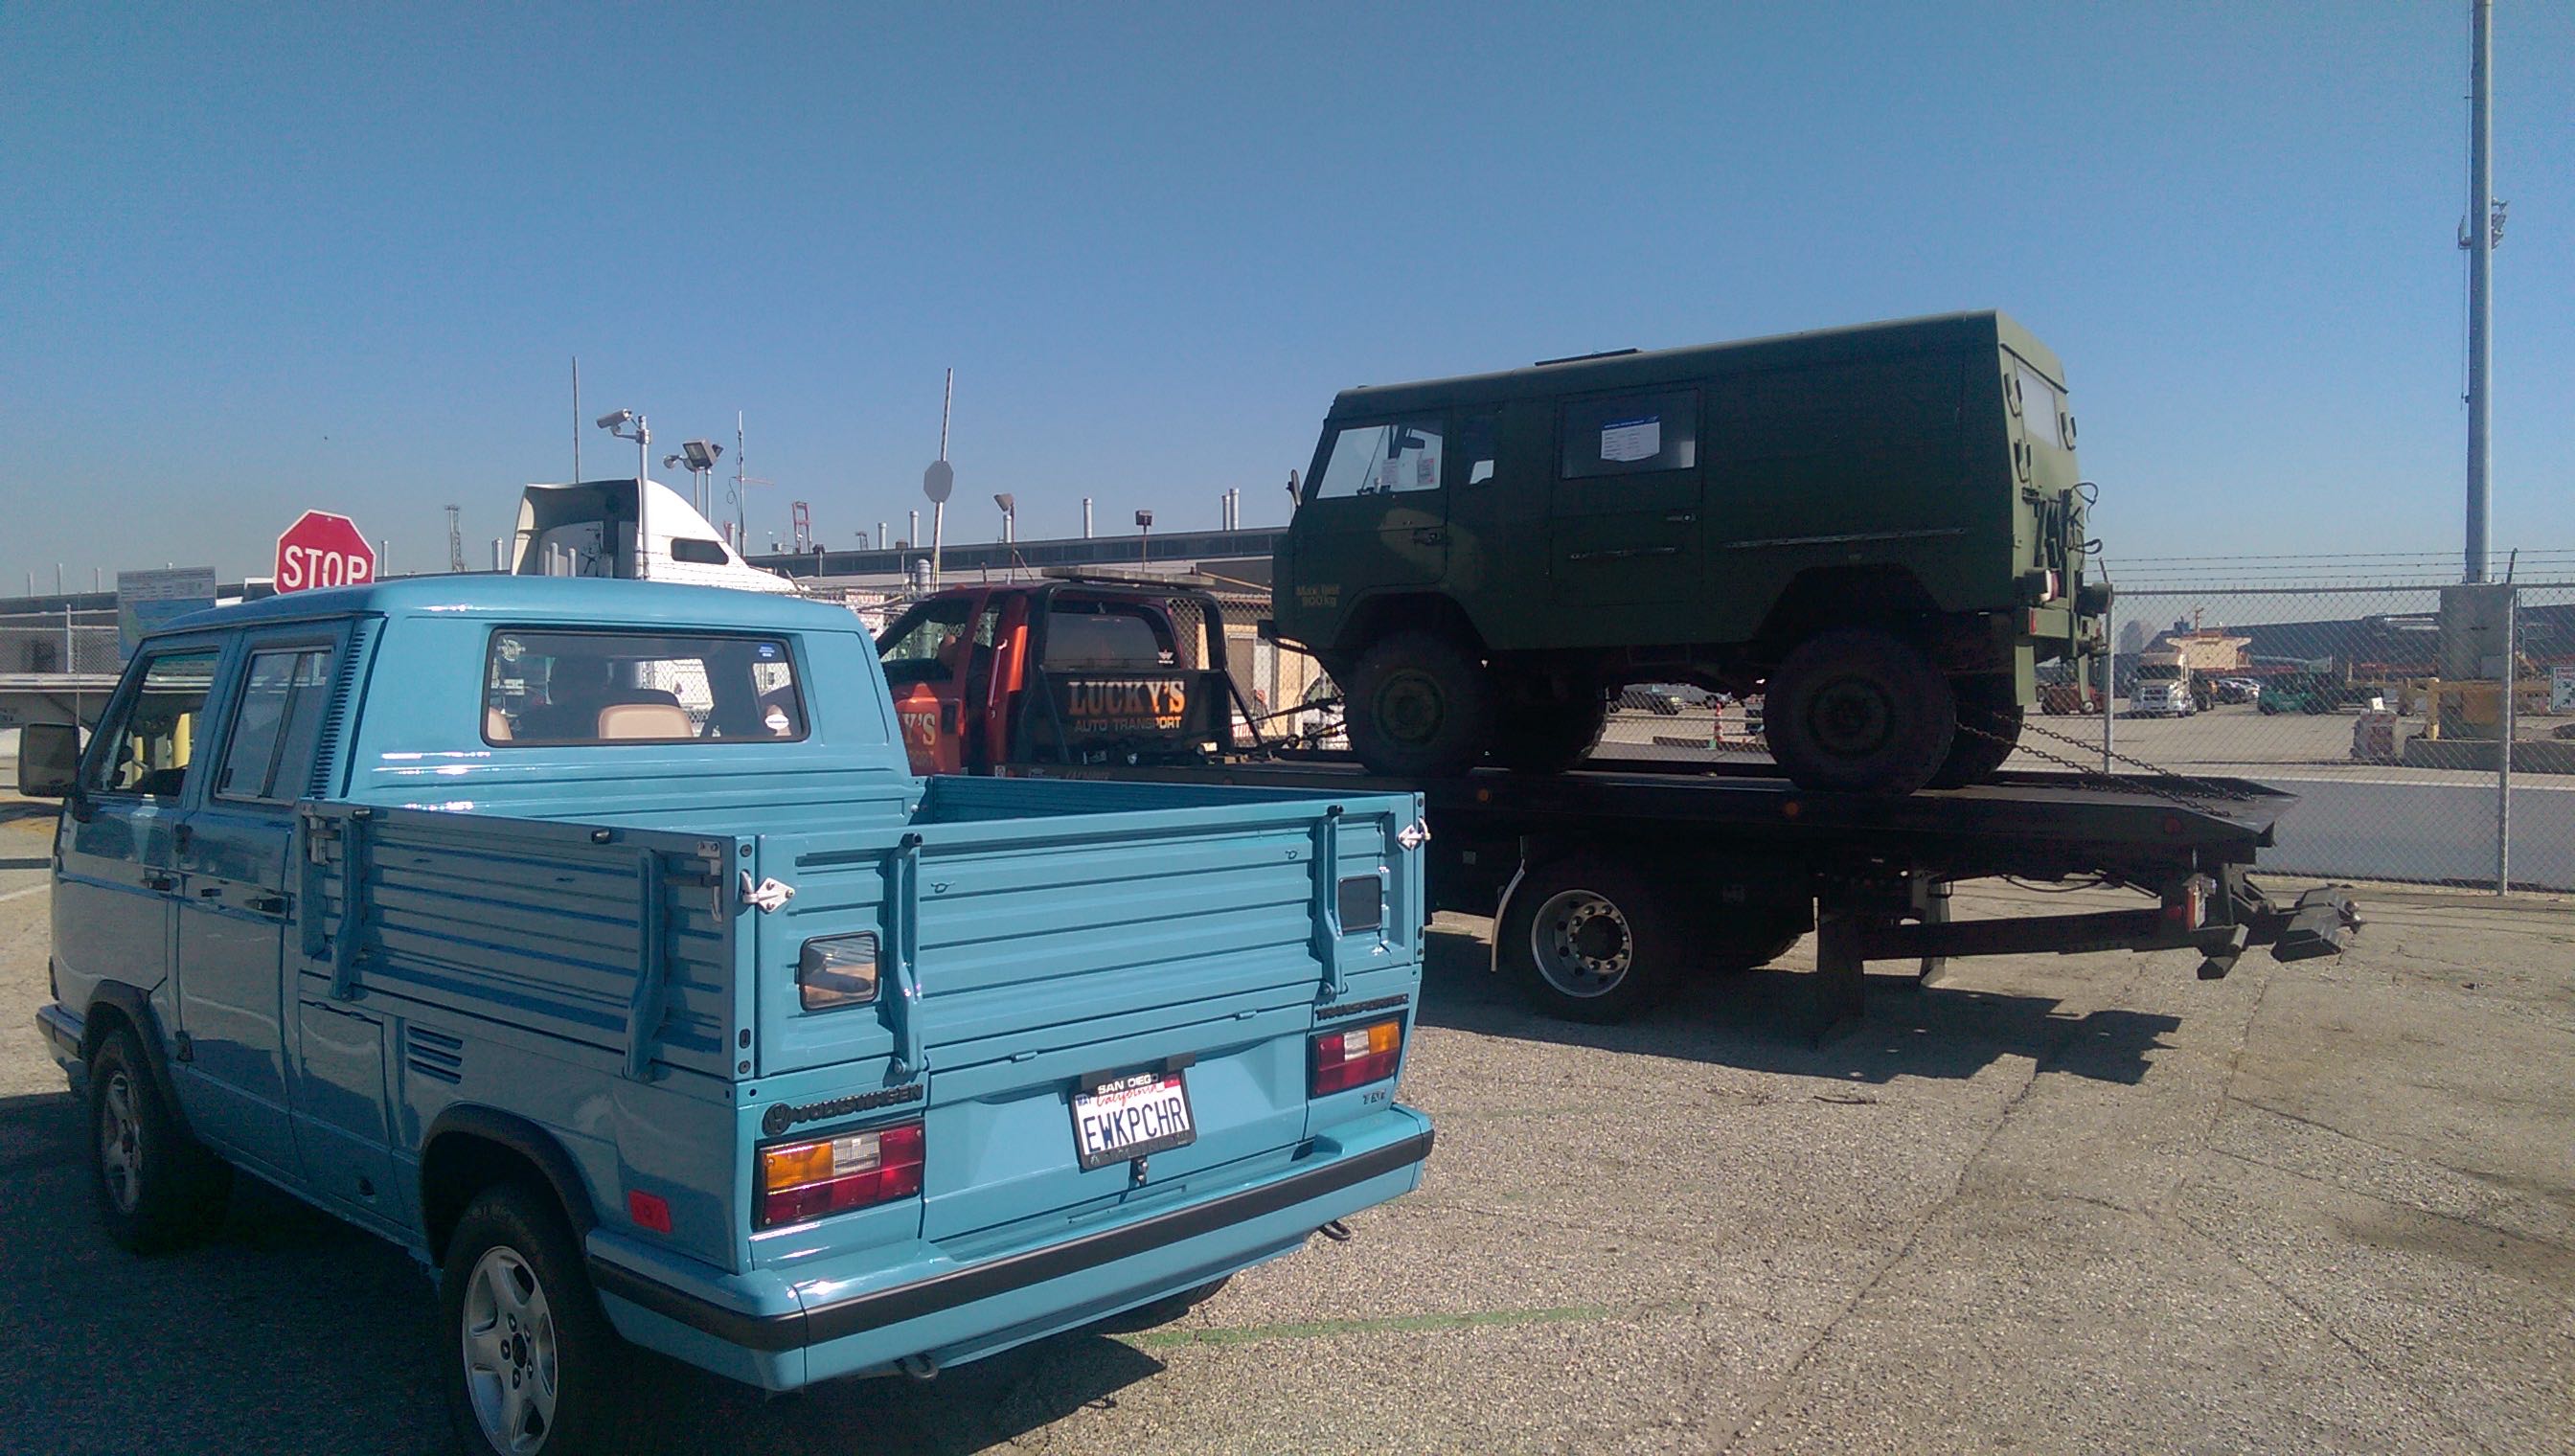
pixel 1381 613
pixel 1820 599
pixel 471 1147
pixel 115 1006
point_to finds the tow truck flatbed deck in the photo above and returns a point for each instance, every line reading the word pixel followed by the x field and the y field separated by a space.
pixel 1725 865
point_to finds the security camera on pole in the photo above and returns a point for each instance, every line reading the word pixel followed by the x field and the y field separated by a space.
pixel 939 481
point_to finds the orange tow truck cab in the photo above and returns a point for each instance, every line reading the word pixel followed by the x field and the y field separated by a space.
pixel 1058 672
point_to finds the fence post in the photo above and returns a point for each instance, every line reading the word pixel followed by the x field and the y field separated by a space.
pixel 2511 727
pixel 2109 674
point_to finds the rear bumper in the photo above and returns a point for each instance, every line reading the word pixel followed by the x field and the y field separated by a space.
pixel 970 1310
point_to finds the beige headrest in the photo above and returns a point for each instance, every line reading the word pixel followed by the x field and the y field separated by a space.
pixel 645 721
pixel 496 725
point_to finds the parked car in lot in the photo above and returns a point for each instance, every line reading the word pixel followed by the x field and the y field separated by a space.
pixel 2237 690
pixel 1668 699
pixel 593 941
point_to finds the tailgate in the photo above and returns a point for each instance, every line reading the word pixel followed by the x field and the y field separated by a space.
pixel 1030 955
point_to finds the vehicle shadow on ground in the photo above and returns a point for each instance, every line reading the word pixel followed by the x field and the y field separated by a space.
pixel 1765 1021
pixel 290 1330
pixel 13 810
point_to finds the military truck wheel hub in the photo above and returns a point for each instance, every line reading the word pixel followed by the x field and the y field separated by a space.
pixel 1851 717
pixel 1410 708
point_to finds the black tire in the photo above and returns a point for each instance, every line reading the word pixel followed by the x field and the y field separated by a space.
pixel 1855 710
pixel 1162 1311
pixel 1733 939
pixel 1550 738
pixel 553 1339
pixel 1418 707
pixel 1989 723
pixel 1587 939
pixel 158 1188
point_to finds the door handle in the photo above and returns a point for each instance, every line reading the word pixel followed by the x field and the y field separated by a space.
pixel 154 879
pixel 210 891
pixel 1681 517
pixel 1428 536
pixel 268 905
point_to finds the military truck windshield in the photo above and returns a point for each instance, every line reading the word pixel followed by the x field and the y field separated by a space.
pixel 1380 460
pixel 548 688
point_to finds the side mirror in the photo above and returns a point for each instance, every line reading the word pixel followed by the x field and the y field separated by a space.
pixel 48 760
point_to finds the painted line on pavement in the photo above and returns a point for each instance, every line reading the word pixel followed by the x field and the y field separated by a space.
pixel 19 895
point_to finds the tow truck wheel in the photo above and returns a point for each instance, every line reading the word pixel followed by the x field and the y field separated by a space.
pixel 1856 711
pixel 1550 738
pixel 1587 939
pixel 1419 705
pixel 1989 720
pixel 1733 939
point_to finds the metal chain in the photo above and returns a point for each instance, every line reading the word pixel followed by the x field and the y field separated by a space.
pixel 2203 802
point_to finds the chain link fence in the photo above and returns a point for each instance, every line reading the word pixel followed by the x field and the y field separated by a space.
pixel 70 642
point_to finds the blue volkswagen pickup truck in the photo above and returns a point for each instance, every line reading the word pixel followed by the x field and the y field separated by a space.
pixel 593 941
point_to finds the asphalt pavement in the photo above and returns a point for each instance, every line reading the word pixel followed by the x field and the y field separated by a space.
pixel 2053 1204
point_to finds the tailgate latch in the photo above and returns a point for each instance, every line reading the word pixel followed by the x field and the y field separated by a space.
pixel 769 896
pixel 1415 834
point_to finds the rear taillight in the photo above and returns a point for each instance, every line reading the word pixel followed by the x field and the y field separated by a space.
pixel 1355 1057
pixel 800 1180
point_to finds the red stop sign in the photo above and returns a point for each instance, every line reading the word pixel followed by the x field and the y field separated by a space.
pixel 323 550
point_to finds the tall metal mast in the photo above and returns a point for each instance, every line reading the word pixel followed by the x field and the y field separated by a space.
pixel 2476 235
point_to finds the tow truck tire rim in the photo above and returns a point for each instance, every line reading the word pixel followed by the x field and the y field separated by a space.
pixel 1582 942
pixel 119 1143
pixel 510 1360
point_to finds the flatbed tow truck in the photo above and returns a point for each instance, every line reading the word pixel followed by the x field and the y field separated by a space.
pixel 1609 884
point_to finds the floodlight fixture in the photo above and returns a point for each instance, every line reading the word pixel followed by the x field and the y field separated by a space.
pixel 700 452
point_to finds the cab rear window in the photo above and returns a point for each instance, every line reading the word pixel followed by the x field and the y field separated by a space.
pixel 554 688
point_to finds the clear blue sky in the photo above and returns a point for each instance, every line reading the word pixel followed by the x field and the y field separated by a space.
pixel 259 258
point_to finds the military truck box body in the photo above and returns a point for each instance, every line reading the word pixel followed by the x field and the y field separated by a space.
pixel 1716 497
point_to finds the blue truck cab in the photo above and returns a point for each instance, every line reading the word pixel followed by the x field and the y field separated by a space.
pixel 594 941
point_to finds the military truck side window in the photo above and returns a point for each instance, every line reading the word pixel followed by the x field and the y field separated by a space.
pixel 1381 460
pixel 1477 435
pixel 270 753
pixel 1620 434
pixel 153 740
pixel 926 649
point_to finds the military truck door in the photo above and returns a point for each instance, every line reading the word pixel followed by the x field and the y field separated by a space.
pixel 1377 513
pixel 1624 511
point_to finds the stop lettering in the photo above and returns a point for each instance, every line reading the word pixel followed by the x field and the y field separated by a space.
pixel 323 550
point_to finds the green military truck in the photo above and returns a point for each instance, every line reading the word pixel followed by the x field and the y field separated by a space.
pixel 1879 527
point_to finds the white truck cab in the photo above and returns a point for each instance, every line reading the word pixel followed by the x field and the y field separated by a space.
pixel 633 529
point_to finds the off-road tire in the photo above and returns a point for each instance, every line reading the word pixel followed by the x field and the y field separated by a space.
pixel 1417 705
pixel 588 1363
pixel 1855 710
pixel 157 1187
pixel 1589 908
pixel 1550 738
pixel 1987 706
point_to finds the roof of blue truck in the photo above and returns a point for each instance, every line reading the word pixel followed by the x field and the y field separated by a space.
pixel 583 599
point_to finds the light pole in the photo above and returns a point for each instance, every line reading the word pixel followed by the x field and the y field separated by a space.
pixel 1009 517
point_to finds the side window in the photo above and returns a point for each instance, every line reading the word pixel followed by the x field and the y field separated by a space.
pixel 270 753
pixel 1620 435
pixel 1381 459
pixel 153 740
pixel 697 553
pixel 1477 435
pixel 925 652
